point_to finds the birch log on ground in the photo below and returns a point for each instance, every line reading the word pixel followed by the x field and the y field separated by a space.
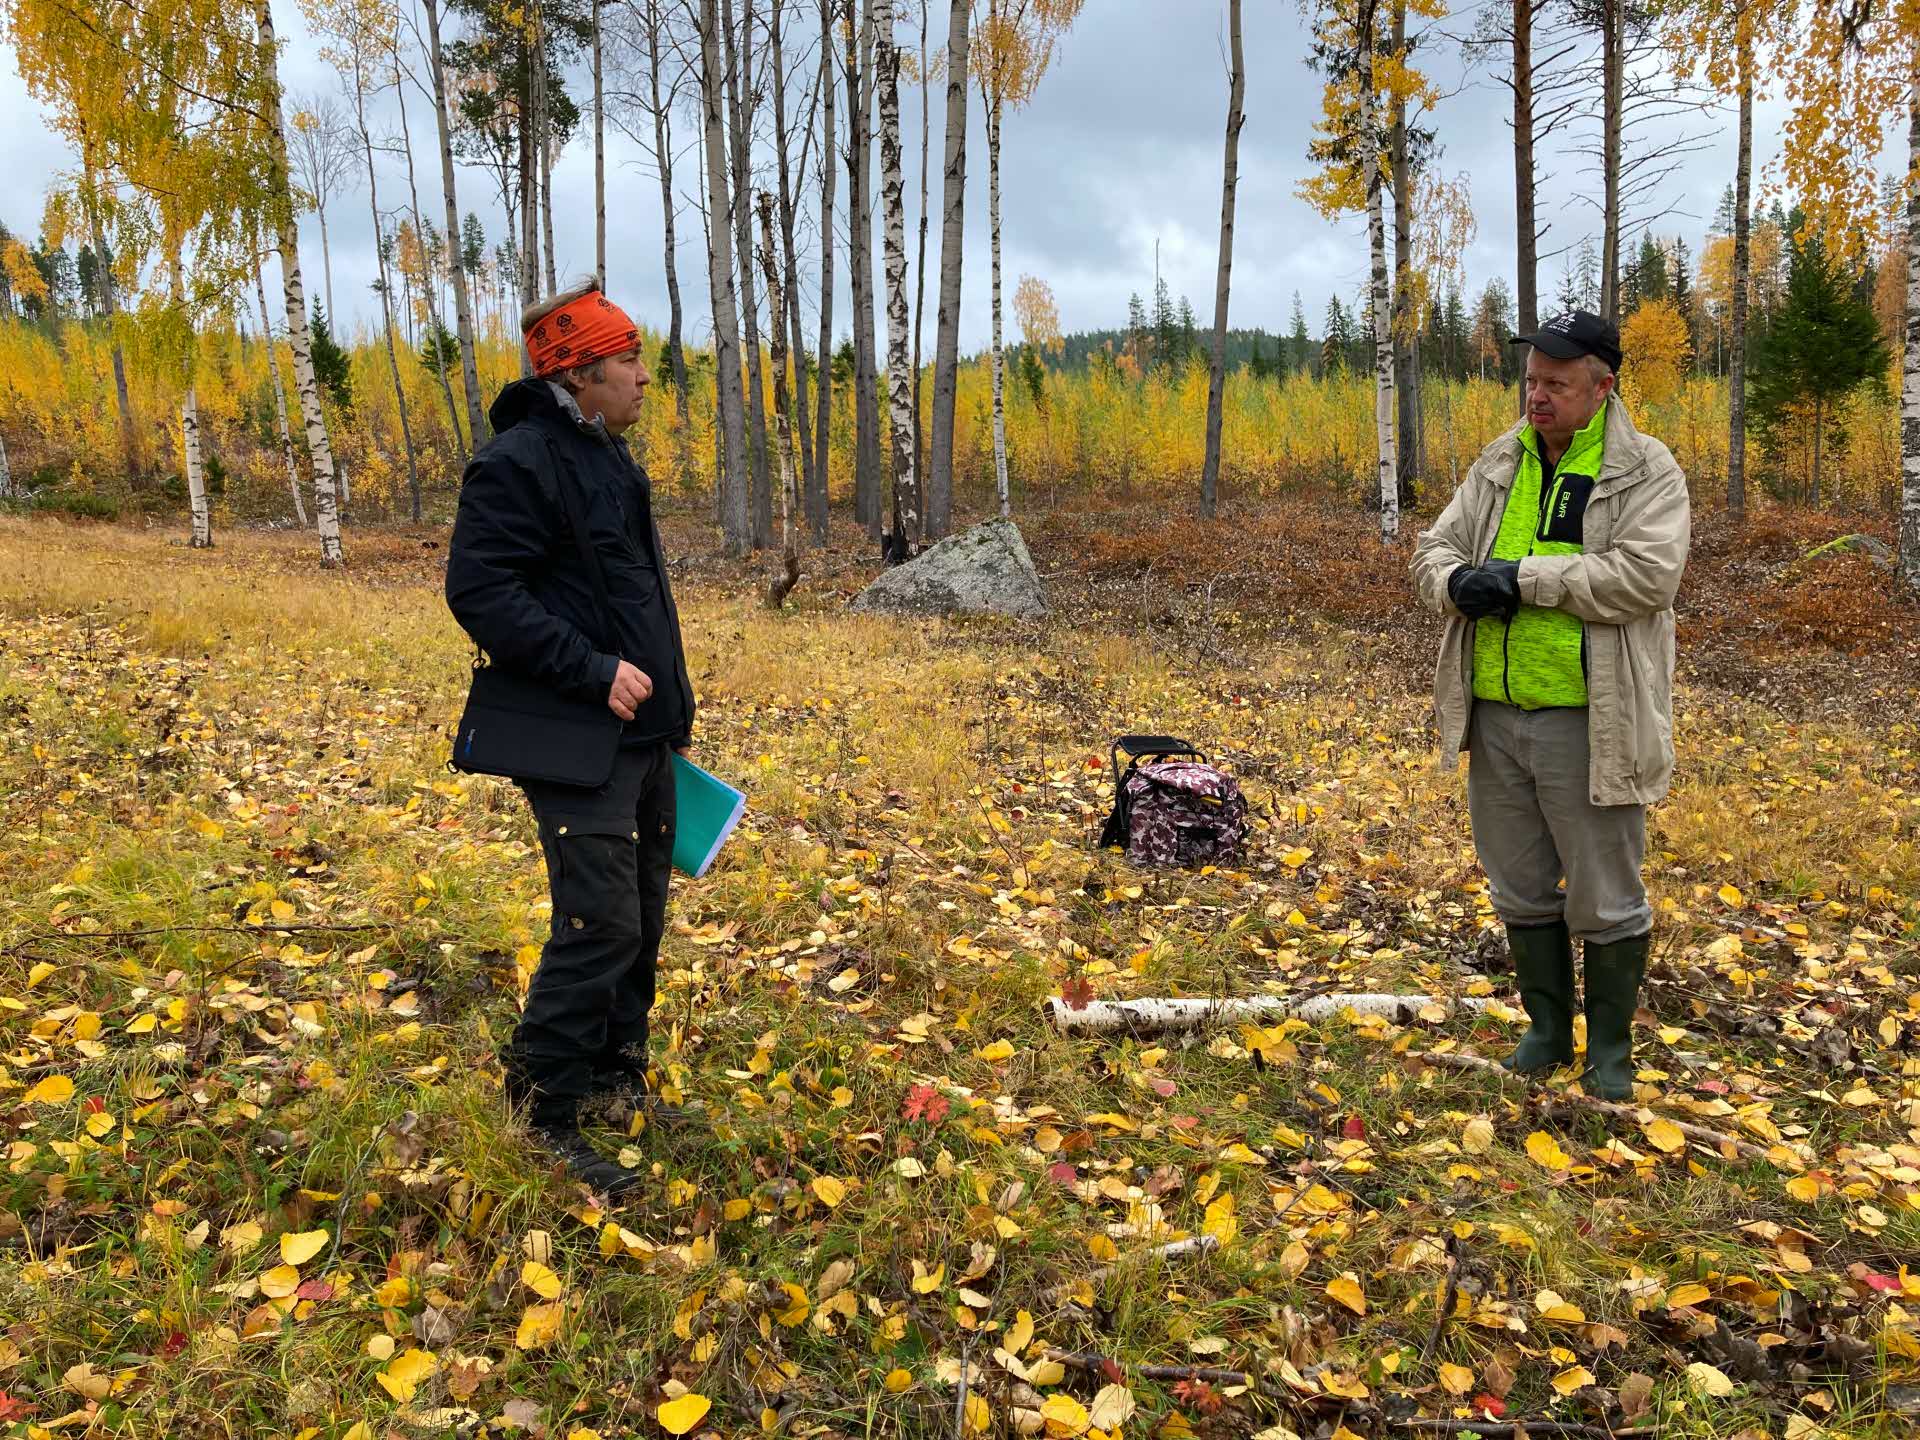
pixel 1159 1015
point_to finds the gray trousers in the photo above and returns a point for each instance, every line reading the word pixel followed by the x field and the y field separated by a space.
pixel 1535 826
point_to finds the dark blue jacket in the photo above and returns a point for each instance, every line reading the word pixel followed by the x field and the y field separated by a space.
pixel 516 580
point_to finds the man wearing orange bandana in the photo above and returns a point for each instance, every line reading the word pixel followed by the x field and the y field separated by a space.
pixel 517 582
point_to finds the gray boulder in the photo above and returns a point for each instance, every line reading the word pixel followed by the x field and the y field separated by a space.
pixel 982 571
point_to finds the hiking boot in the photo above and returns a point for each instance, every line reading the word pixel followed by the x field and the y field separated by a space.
pixel 1543 971
pixel 1614 973
pixel 585 1163
pixel 619 1100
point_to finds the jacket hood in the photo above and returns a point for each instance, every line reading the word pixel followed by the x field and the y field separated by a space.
pixel 523 400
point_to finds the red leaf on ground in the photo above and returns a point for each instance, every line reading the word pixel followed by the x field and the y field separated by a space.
pixel 314 1290
pixel 175 1342
pixel 1163 1088
pixel 1063 1172
pixel 923 1102
pixel 1200 1395
pixel 95 1104
pixel 12 1409
pixel 1077 992
pixel 1110 1369
pixel 1353 1128
pixel 1492 1404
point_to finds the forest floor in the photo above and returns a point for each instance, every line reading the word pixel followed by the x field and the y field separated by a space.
pixel 258 948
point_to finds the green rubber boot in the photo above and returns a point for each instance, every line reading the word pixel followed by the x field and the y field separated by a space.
pixel 1543 969
pixel 1614 973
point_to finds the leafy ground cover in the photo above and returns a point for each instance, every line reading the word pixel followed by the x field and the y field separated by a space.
pixel 260 948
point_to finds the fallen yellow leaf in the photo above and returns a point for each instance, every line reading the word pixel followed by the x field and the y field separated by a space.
pixel 1664 1136
pixel 1477 1138
pixel 898 1380
pixel 1545 1151
pixel 1568 1381
pixel 541 1280
pixel 1346 1289
pixel 829 1190
pixel 540 1325
pixel 1112 1406
pixel 54 1090
pixel 1456 1379
pixel 1704 1379
pixel 677 1417
pixel 1065 1416
pixel 279 1282
pixel 996 1052
pixel 298 1248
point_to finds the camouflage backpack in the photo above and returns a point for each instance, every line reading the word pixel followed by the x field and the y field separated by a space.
pixel 1173 811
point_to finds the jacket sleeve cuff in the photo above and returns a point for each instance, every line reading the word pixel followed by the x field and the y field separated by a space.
pixel 605 667
pixel 1542 582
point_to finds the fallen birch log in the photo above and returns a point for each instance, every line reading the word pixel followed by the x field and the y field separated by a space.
pixel 1717 1138
pixel 1173 1250
pixel 1159 1015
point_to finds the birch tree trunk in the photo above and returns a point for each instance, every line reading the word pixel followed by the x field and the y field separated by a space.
pixel 1526 228
pixel 599 160
pixel 430 290
pixel 1223 283
pixel 789 575
pixel 1405 322
pixel 129 442
pixel 326 512
pixel 790 276
pixel 1613 17
pixel 993 107
pixel 663 149
pixel 735 519
pixel 868 501
pixel 6 472
pixel 386 303
pixel 823 398
pixel 1742 268
pixel 739 106
pixel 529 190
pixel 197 507
pixel 543 142
pixel 920 264
pixel 279 401
pixel 1375 160
pixel 903 522
pixel 462 299
pixel 326 257
pixel 946 345
pixel 1910 364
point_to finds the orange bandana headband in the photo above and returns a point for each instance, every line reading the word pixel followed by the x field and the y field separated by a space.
pixel 579 333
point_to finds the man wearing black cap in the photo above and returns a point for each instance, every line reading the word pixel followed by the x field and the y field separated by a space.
pixel 1556 563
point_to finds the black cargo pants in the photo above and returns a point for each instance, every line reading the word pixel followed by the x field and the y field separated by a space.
pixel 609 856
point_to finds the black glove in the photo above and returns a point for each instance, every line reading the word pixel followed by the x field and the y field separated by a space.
pixel 1478 591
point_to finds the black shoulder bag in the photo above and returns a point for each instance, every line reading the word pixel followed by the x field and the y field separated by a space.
pixel 515 726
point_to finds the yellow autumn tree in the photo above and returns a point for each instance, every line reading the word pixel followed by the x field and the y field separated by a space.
pixel 1656 347
pixel 1036 314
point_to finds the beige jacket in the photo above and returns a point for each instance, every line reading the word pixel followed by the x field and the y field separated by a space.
pixel 1638 524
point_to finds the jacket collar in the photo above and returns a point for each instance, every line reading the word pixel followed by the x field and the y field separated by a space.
pixel 1623 462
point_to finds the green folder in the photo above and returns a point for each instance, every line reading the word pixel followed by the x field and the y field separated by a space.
pixel 705 811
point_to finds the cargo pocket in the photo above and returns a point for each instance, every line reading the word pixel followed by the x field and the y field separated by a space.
pixel 592 866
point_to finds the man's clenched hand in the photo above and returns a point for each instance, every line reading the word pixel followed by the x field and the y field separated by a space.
pixel 631 687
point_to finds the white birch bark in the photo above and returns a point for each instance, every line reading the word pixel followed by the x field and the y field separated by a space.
pixel 1167 1015
pixel 429 287
pixel 1910 364
pixel 6 472
pixel 733 487
pixel 325 511
pixel 279 401
pixel 196 470
pixel 462 301
pixel 786 461
pixel 946 345
pixel 999 351
pixel 903 514
pixel 1372 149
pixel 817 512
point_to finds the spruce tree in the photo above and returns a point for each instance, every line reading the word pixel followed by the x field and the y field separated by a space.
pixel 1823 345
pixel 1300 355
pixel 329 361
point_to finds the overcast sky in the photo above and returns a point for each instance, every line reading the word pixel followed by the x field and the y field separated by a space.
pixel 1119 153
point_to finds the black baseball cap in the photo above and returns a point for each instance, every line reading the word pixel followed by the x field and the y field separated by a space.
pixel 1576 333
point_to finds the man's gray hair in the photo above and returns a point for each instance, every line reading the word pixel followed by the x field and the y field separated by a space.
pixel 1598 369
